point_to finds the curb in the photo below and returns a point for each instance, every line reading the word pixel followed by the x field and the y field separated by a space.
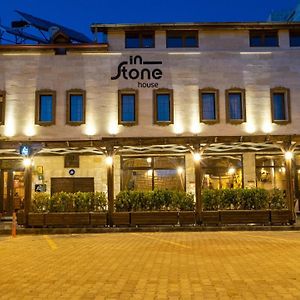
pixel 36 231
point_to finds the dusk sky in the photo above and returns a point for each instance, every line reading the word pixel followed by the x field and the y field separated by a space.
pixel 79 14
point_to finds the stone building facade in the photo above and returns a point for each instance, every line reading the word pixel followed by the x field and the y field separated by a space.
pixel 176 106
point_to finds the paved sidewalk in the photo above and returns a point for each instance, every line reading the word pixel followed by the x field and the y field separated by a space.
pixel 179 265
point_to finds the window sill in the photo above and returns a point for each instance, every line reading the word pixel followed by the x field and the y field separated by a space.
pixel 45 124
pixel 284 122
pixel 128 124
pixel 162 123
pixel 75 123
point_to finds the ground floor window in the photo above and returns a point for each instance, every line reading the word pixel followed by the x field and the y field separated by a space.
pixel 270 172
pixel 153 172
pixel 220 172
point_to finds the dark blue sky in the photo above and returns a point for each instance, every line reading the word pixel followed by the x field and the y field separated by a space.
pixel 79 14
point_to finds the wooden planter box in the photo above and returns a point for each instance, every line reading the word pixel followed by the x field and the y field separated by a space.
pixel 187 218
pixel 245 217
pixel 281 216
pixel 67 219
pixel 21 217
pixel 98 218
pixel 121 218
pixel 210 218
pixel 54 219
pixel 154 218
pixel 36 219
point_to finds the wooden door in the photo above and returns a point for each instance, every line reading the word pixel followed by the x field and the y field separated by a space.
pixel 72 185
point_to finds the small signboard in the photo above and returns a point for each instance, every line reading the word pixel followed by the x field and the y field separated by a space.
pixel 72 172
pixel 25 150
pixel 40 188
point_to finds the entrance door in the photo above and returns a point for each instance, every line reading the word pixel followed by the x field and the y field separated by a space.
pixel 12 191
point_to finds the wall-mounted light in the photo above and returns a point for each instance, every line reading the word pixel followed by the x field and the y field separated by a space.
pixel 231 171
pixel 197 156
pixel 109 160
pixel 27 162
pixel 288 155
pixel 149 160
pixel 180 170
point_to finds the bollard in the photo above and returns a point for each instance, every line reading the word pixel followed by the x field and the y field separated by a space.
pixel 14 225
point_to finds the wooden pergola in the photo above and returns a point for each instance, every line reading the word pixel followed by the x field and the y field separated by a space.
pixel 197 145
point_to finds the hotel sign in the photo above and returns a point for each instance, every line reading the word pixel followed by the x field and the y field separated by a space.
pixel 138 69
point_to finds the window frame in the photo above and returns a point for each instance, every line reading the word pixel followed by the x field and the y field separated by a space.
pixel 262 34
pixel 140 37
pixel 3 95
pixel 69 93
pixel 183 34
pixel 38 94
pixel 136 106
pixel 161 91
pixel 209 90
pixel 287 104
pixel 227 102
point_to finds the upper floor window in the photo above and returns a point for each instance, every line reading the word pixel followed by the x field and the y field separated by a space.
pixel 139 39
pixel 2 107
pixel 45 107
pixel 280 105
pixel 75 107
pixel 294 38
pixel 235 106
pixel 264 38
pixel 209 102
pixel 182 39
pixel 128 100
pixel 163 106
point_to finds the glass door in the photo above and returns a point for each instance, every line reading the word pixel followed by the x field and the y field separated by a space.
pixel 13 191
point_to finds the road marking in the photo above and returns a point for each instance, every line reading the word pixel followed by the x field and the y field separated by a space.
pixel 163 240
pixel 50 242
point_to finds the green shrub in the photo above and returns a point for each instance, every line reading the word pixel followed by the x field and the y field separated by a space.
pixel 98 201
pixel 277 199
pixel 69 202
pixel 40 202
pixel 244 199
pixel 211 199
pixel 154 200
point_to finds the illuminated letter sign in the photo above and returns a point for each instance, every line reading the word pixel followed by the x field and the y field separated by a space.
pixel 128 71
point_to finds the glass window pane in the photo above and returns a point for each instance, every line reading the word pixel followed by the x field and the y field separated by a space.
pixel 271 40
pixel 76 108
pixel 128 108
pixel 163 108
pixel 132 40
pixel 191 41
pixel 46 113
pixel 137 180
pixel 168 162
pixel 235 106
pixel 269 178
pixel 174 41
pixel 295 39
pixel 279 106
pixel 169 179
pixel 208 106
pixel 137 162
pixel 148 41
pixel 222 172
pixel 255 41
